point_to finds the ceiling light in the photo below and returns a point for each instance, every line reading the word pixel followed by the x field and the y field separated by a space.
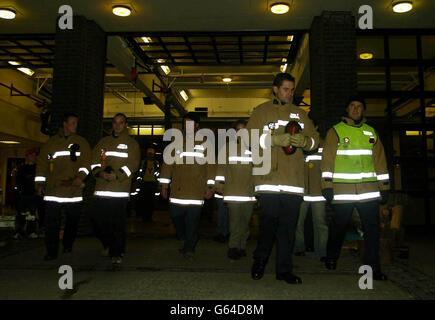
pixel 290 38
pixel 14 63
pixel 165 69
pixel 284 60
pixel 184 95
pixel 122 11
pixel 366 56
pixel 283 68
pixel 7 13
pixel 279 8
pixel 26 71
pixel 9 142
pixel 227 79
pixel 161 60
pixel 146 39
pixel 402 6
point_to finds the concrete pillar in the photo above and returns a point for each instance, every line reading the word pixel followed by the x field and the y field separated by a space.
pixel 333 66
pixel 78 76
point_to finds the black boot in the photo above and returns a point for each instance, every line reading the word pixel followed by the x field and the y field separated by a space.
pixel 289 278
pixel 330 264
pixel 258 267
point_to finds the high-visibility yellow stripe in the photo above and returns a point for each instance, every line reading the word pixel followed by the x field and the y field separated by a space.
pixel 360 152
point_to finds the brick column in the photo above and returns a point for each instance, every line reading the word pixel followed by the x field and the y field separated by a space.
pixel 78 76
pixel 332 66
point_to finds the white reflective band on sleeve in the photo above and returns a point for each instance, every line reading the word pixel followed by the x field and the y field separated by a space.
pixel 278 188
pixel 242 159
pixel 314 198
pixel 360 152
pixel 219 178
pixel 320 150
pixel 383 177
pixel 126 170
pixel 247 152
pixel 64 154
pixel 122 146
pixel 281 123
pixel 368 133
pixel 117 154
pixel 112 194
pixel 210 182
pixel 198 147
pixel 218 196
pixel 327 174
pixel 294 116
pixel 350 176
pixel 84 170
pixel 163 180
pixel 313 158
pixel 93 166
pixel 312 143
pixel 262 140
pixel 239 198
pixel 356 197
pixel 70 145
pixel 63 200
pixel 191 154
pixel 186 201
pixel 40 179
pixel 157 193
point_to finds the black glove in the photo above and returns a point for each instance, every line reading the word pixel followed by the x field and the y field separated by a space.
pixel 384 195
pixel 328 194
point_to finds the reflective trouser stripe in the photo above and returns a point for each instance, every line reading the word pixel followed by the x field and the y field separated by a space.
pixel 186 201
pixel 40 179
pixel 126 170
pixel 218 196
pixel 356 197
pixel 382 177
pixel 163 180
pixel 63 200
pixel 210 182
pixel 112 194
pixel 220 178
pixel 84 170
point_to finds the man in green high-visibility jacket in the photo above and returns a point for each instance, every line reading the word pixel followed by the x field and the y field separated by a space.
pixel 355 175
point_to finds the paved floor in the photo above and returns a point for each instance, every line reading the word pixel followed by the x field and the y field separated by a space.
pixel 153 269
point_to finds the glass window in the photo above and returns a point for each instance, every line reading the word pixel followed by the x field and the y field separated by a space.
pixel 403 47
pixel 428 47
pixel 404 78
pixel 370 78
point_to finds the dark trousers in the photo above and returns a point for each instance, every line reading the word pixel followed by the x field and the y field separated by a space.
pixel 369 214
pixel 186 222
pixel 144 204
pixel 26 210
pixel 111 216
pixel 279 220
pixel 53 217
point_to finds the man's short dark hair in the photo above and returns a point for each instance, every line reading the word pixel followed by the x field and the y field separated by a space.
pixel 281 77
pixel 240 121
pixel 67 115
pixel 121 115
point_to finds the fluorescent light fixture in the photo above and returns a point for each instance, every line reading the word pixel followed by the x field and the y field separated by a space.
pixel 279 8
pixel 227 79
pixel 290 38
pixel 184 95
pixel 14 63
pixel 146 39
pixel 121 11
pixel 6 13
pixel 283 68
pixel 366 56
pixel 161 60
pixel 165 69
pixel 284 60
pixel 9 142
pixel 402 6
pixel 27 71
